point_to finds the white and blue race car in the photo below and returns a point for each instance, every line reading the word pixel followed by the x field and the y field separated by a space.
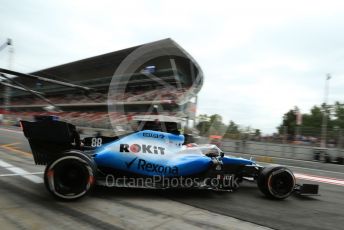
pixel 145 159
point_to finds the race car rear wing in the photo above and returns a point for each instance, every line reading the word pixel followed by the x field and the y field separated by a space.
pixel 49 138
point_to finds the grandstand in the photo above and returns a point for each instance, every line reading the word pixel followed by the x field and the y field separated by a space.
pixel 140 91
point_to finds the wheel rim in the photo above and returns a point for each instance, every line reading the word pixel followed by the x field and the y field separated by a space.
pixel 69 179
pixel 281 183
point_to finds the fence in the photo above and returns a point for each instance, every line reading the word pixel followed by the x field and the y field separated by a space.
pixel 305 136
pixel 289 151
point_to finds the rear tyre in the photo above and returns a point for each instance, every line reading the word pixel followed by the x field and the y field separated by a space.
pixel 276 182
pixel 71 176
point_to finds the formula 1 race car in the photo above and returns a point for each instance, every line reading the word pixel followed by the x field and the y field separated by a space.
pixel 144 159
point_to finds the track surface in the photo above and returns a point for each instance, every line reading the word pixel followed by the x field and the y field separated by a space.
pixel 26 203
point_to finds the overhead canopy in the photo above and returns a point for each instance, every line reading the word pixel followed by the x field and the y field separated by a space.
pixel 104 66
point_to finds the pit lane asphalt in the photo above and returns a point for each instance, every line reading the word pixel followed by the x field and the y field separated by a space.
pixel 247 203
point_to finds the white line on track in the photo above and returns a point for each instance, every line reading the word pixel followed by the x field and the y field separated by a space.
pixel 21 172
pixel 17 174
pixel 321 179
pixel 10 130
pixel 318 170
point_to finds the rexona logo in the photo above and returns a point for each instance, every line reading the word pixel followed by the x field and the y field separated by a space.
pixel 161 169
pixel 136 148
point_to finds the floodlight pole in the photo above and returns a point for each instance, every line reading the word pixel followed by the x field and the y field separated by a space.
pixel 7 90
pixel 325 115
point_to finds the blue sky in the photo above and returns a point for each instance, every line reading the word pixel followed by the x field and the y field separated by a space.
pixel 259 58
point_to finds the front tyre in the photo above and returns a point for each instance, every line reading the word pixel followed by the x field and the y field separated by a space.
pixel 71 176
pixel 276 182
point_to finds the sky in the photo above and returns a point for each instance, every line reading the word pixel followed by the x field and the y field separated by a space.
pixel 259 58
